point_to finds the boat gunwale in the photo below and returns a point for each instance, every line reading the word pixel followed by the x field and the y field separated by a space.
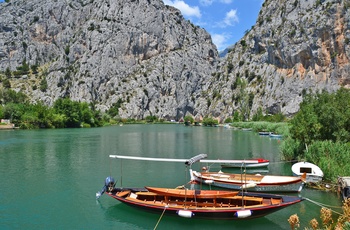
pixel 211 209
pixel 192 193
pixel 203 177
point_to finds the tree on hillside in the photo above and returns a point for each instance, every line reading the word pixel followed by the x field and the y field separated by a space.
pixel 11 96
pixel 75 113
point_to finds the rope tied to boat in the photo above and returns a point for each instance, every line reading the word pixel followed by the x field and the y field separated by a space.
pixel 324 205
pixel 161 216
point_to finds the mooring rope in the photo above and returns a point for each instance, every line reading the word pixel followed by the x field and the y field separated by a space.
pixel 324 205
pixel 160 217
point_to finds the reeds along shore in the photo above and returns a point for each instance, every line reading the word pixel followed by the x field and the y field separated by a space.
pixel 328 222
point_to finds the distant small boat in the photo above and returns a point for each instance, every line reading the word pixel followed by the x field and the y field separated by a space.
pixel 252 163
pixel 264 133
pixel 313 173
pixel 344 187
pixel 274 135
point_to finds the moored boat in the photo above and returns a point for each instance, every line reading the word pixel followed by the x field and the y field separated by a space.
pixel 207 204
pixel 264 133
pixel 252 163
pixel 194 203
pixel 313 173
pixel 275 135
pixel 250 182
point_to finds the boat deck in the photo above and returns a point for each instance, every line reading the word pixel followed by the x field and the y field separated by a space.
pixel 151 198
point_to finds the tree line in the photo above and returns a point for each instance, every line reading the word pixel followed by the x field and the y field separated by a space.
pixel 320 133
pixel 64 113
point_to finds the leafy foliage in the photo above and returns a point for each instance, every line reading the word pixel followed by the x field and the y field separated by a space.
pixel 65 113
pixel 189 119
pixel 11 96
pixel 76 113
pixel 208 121
pixel 320 133
pixel 327 154
pixel 151 119
pixel 323 117
pixel 114 110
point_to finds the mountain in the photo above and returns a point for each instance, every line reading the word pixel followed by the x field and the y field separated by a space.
pixel 296 47
pixel 139 54
pixel 145 58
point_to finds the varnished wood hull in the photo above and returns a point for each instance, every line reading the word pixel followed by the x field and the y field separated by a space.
pixel 255 204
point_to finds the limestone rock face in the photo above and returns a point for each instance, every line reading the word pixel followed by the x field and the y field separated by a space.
pixel 144 56
pixel 139 52
pixel 296 47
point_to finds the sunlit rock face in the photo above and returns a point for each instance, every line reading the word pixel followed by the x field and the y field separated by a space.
pixel 145 57
pixel 141 53
pixel 296 47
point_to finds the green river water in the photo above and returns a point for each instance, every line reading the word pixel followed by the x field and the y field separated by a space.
pixel 49 178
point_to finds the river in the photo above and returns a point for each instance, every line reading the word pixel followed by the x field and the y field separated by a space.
pixel 50 177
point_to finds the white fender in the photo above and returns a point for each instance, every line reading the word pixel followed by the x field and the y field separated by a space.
pixel 243 213
pixel 185 213
pixel 250 185
pixel 208 181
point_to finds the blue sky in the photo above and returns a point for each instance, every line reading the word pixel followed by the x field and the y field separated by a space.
pixel 225 20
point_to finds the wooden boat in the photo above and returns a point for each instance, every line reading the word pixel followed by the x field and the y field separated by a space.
pixel 191 203
pixel 344 187
pixel 252 163
pixel 250 182
pixel 192 193
pixel 208 204
pixel 313 173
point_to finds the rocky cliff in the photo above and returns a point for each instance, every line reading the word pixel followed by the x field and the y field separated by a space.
pixel 146 58
pixel 139 54
pixel 296 47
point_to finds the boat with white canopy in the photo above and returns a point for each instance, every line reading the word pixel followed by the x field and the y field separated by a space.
pixel 194 203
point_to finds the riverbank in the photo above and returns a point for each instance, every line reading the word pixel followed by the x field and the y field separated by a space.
pixel 7 126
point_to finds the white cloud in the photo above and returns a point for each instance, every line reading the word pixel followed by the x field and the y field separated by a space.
pixel 210 2
pixel 206 2
pixel 186 10
pixel 220 40
pixel 226 1
pixel 231 18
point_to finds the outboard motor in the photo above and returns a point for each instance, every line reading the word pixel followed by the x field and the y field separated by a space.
pixel 108 187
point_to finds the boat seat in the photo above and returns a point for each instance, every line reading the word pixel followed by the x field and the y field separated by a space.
pixel 275 201
pixel 259 199
pixel 123 193
pixel 146 193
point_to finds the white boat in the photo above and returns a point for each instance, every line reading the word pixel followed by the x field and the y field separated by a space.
pixel 250 182
pixel 252 163
pixel 264 133
pixel 274 135
pixel 313 173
